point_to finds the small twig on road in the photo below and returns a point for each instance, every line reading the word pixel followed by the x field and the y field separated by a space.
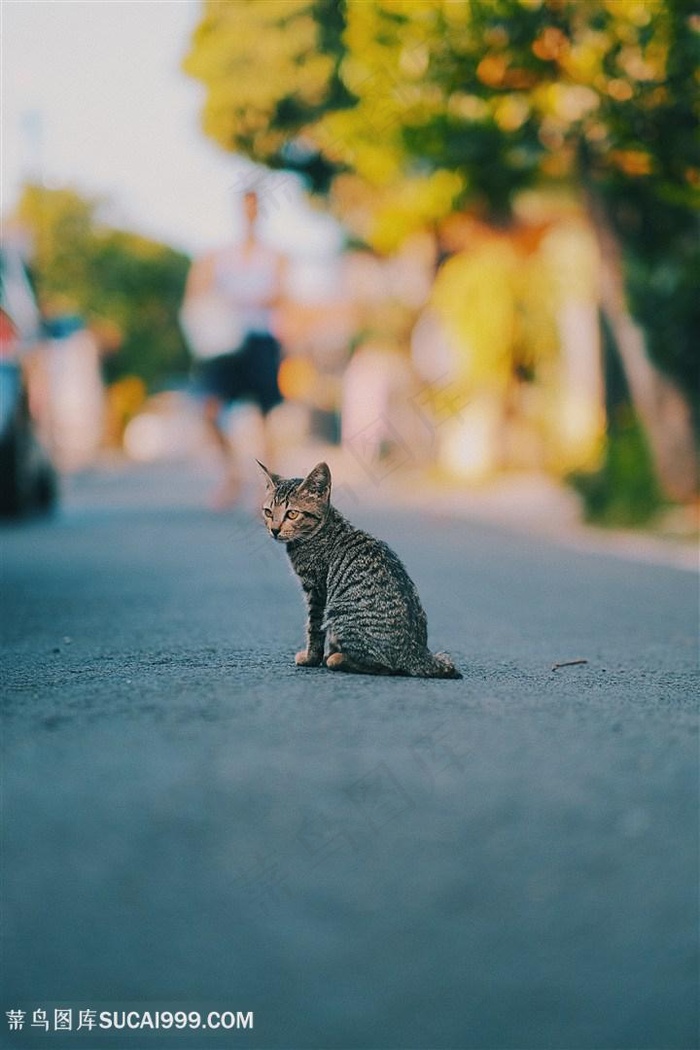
pixel 568 663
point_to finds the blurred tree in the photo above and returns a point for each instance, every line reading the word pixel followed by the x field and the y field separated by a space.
pixel 127 287
pixel 411 108
pixel 271 71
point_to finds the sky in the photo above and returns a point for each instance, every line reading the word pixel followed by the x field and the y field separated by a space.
pixel 93 97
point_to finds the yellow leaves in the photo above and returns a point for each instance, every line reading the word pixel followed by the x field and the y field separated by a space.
pixel 379 165
pixel 411 205
pixel 620 90
pixel 492 69
pixel 550 45
pixel 359 72
pixel 658 96
pixel 475 297
pixel 495 71
pixel 467 107
pixel 249 55
pixel 640 67
pixel 559 105
pixel 498 299
pixel 496 37
pixel 635 13
pixel 457 16
pixel 565 102
pixel 385 67
pixel 556 165
pixel 584 59
pixel 414 61
pixel 331 135
pixel 633 162
pixel 363 138
pixel 378 30
pixel 424 74
pixel 511 112
pixel 385 216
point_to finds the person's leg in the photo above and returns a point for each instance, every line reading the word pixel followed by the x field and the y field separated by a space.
pixel 212 413
pixel 264 371
pixel 226 493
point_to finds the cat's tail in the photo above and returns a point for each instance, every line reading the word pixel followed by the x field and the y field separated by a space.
pixel 437 665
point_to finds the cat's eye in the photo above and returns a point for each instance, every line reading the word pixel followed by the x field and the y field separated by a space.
pixel 292 514
pixel 267 512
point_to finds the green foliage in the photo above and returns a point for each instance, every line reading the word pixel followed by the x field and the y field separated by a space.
pixel 656 213
pixel 501 92
pixel 407 109
pixel 624 492
pixel 271 71
pixel 140 285
pixel 111 277
pixel 664 298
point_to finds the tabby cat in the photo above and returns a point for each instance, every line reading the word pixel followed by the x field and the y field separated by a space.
pixel 364 613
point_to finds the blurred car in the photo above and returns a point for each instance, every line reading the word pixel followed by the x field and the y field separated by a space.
pixel 28 480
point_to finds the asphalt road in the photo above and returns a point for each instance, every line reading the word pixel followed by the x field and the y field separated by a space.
pixel 504 862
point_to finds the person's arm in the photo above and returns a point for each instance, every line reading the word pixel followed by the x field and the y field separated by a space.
pixel 200 278
pixel 282 275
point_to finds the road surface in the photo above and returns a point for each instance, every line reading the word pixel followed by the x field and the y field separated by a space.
pixel 191 822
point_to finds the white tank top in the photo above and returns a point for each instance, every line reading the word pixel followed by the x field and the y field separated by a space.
pixel 247 280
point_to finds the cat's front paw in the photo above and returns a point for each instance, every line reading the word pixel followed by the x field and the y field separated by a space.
pixel 305 658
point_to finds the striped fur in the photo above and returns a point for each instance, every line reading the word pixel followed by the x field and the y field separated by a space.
pixel 364 613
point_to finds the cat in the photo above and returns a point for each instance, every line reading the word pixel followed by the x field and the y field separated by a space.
pixel 364 613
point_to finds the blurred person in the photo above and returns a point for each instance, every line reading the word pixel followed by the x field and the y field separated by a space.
pixel 228 317
pixel 74 411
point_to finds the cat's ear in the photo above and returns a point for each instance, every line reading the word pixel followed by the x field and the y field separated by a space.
pixel 318 482
pixel 272 480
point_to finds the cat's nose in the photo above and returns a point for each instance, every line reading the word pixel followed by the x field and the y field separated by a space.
pixel 275 532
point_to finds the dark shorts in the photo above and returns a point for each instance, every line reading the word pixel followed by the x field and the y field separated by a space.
pixel 248 374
